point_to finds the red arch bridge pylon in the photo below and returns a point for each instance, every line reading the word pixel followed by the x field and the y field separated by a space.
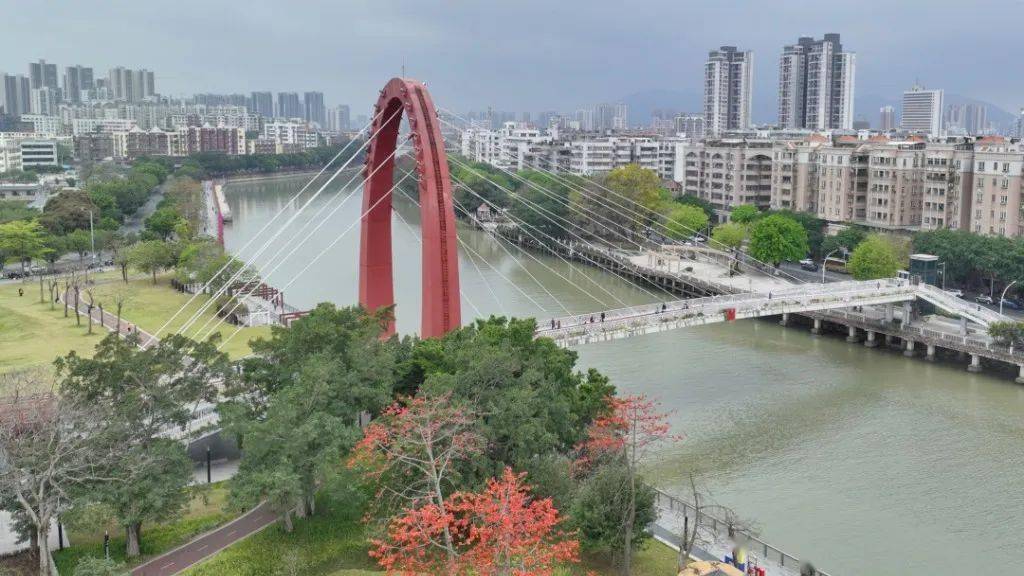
pixel 440 282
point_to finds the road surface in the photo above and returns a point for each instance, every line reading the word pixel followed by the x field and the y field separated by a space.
pixel 208 544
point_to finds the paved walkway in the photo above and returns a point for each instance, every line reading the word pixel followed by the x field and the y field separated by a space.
pixel 108 320
pixel 208 544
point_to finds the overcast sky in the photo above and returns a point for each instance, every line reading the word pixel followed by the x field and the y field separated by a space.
pixel 515 55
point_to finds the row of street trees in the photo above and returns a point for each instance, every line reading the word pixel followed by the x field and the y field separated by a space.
pixel 91 448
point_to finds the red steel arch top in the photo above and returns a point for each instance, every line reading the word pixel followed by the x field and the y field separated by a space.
pixel 441 304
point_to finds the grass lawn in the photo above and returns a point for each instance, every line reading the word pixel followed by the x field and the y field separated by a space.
pixel 150 305
pixel 33 335
pixel 200 517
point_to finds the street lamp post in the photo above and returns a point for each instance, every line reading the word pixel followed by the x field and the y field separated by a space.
pixel 827 256
pixel 1002 297
pixel 92 234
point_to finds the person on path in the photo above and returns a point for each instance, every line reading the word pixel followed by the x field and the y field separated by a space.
pixel 21 292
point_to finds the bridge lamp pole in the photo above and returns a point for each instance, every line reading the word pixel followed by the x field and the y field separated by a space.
pixel 1002 297
pixel 827 256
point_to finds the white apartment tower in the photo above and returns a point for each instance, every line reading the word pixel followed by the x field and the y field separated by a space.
pixel 922 111
pixel 728 80
pixel 816 85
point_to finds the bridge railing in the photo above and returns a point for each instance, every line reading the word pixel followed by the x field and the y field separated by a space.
pixel 842 294
pixel 718 525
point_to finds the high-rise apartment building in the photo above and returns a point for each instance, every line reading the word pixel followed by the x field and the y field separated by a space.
pixel 691 125
pixel 15 94
pixel 262 103
pixel 338 119
pixel 922 111
pixel 289 105
pixel 967 119
pixel 313 107
pixel 728 81
pixel 131 85
pixel 607 117
pixel 816 85
pixel 43 75
pixel 887 119
pixel 77 79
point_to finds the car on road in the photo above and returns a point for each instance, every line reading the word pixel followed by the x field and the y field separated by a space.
pixel 984 299
pixel 955 293
pixel 808 264
pixel 1011 304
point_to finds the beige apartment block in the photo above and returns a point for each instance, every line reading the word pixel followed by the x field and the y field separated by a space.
pixel 995 206
pixel 728 173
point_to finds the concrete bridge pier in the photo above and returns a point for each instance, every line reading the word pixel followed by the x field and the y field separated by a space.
pixel 930 353
pixel 817 326
pixel 784 321
pixel 852 334
pixel 1020 375
pixel 870 341
pixel 889 313
pixel 975 365
pixel 909 352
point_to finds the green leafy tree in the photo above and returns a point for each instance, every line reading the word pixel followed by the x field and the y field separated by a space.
pixel 776 238
pixel 143 393
pixel 542 205
pixel 69 211
pixel 11 210
pixel 163 222
pixel 150 257
pixel 530 398
pixel 79 242
pixel 632 186
pixel 1009 333
pixel 600 504
pixel 683 221
pixel 480 183
pixel 691 200
pixel 23 240
pixel 875 257
pixel 731 234
pixel 298 404
pixel 848 239
pixel 744 214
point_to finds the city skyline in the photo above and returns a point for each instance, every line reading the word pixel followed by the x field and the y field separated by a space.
pixel 527 78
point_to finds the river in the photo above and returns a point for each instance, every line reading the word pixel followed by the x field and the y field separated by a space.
pixel 860 460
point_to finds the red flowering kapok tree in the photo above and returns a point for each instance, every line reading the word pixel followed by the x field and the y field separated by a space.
pixel 624 435
pixel 410 451
pixel 499 531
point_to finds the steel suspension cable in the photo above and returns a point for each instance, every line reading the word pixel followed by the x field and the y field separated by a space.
pixel 344 200
pixel 264 228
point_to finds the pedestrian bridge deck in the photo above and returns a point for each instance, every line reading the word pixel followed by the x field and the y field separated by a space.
pixel 799 298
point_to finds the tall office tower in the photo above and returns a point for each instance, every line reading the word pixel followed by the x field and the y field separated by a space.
pixel 145 84
pixel 43 75
pixel 922 111
pixel 313 106
pixel 887 118
pixel 15 94
pixel 728 80
pixel 77 79
pixel 262 103
pixel 288 105
pixel 816 84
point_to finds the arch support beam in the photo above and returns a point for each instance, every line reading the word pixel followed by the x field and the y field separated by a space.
pixel 440 280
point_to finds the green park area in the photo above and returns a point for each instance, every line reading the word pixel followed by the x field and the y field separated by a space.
pixel 33 333
pixel 206 509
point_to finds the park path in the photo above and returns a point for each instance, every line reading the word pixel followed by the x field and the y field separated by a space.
pixel 206 545
pixel 110 321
